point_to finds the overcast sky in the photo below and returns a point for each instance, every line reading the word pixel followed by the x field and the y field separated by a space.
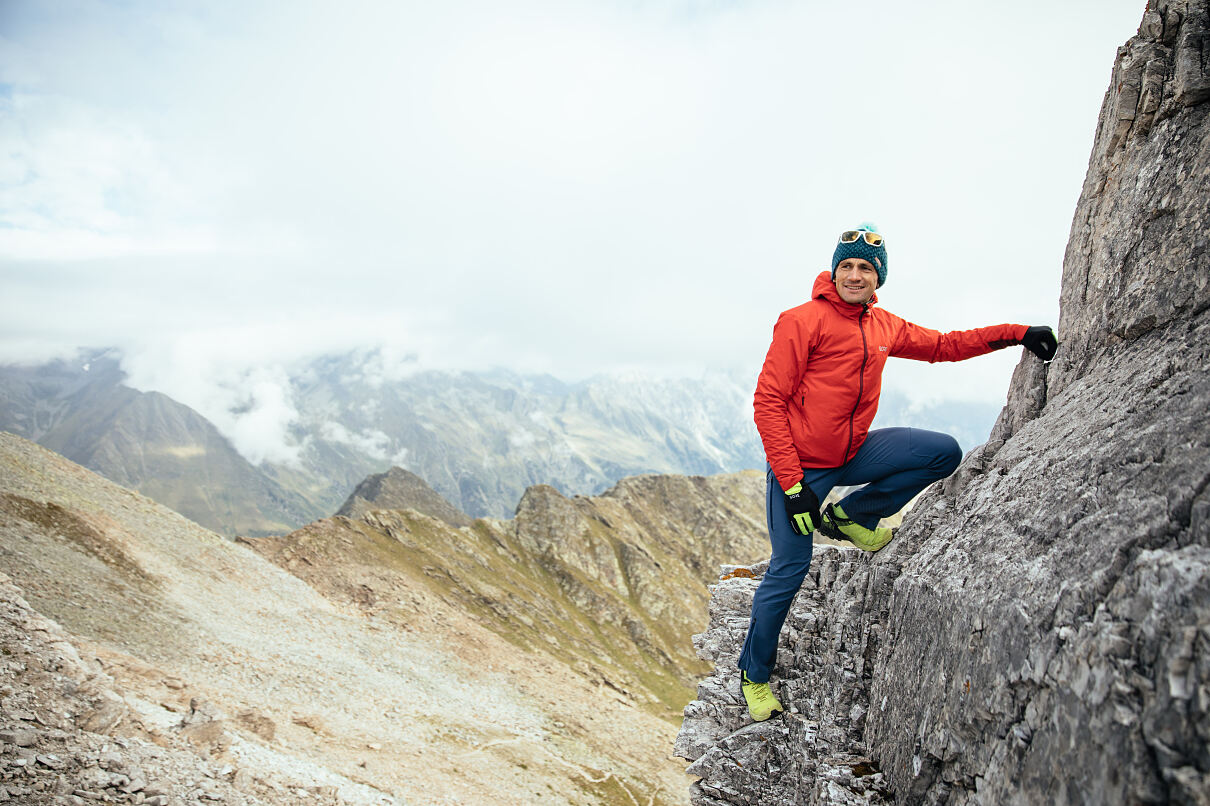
pixel 219 188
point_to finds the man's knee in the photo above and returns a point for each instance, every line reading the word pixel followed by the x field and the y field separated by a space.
pixel 949 455
pixel 943 452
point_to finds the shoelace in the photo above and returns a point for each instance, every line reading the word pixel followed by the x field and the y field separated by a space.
pixel 759 691
pixel 837 522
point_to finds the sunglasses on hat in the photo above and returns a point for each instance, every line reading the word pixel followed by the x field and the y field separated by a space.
pixel 854 235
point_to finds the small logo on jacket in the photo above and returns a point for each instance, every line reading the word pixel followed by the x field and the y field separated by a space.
pixel 882 348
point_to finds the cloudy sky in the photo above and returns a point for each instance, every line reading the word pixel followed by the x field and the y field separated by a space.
pixel 221 188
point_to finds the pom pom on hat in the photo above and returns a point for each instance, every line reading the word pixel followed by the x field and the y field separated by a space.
pixel 876 255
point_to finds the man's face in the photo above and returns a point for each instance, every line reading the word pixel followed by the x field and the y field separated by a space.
pixel 856 280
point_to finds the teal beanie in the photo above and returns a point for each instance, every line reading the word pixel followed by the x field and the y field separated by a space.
pixel 876 255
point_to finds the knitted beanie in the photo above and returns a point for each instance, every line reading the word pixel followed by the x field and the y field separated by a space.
pixel 876 255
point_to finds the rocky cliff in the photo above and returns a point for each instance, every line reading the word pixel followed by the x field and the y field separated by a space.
pixel 1039 631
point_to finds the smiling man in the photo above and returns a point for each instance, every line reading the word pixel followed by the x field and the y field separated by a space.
pixel 815 399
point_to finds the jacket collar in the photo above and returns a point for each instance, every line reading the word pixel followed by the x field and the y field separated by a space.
pixel 826 289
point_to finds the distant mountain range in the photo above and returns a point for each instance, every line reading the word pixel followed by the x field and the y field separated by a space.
pixel 479 439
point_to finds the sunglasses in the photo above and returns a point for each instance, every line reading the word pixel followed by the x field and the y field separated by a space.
pixel 854 235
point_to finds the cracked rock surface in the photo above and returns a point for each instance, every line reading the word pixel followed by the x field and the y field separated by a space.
pixel 805 755
pixel 1039 631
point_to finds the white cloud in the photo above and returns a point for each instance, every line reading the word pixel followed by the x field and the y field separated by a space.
pixel 521 439
pixel 248 400
pixel 371 441
pixel 384 364
pixel 259 423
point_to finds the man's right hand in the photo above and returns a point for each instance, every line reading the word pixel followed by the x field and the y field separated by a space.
pixel 1040 340
pixel 803 508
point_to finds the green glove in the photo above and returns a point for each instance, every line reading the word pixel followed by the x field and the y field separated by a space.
pixel 1040 340
pixel 803 508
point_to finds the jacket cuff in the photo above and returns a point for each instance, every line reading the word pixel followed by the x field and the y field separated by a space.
pixel 787 481
pixel 1000 344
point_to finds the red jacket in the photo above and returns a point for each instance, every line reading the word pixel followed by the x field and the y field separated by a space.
pixel 818 390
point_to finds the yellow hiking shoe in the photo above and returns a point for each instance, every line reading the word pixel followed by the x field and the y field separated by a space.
pixel 838 526
pixel 761 702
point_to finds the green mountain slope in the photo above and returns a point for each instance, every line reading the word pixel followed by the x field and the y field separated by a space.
pixel 614 585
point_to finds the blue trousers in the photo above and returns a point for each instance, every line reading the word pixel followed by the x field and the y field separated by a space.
pixel 894 464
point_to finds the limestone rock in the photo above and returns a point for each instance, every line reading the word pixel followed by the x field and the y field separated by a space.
pixel 1039 631
pixel 806 755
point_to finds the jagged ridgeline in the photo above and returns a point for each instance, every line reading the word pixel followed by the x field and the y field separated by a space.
pixel 611 584
pixel 1039 632
pixel 479 439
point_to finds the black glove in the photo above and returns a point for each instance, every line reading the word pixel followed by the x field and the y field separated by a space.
pixel 803 508
pixel 1040 340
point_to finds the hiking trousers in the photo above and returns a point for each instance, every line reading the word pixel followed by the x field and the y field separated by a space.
pixel 894 464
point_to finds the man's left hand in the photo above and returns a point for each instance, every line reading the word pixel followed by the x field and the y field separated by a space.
pixel 802 508
pixel 1040 340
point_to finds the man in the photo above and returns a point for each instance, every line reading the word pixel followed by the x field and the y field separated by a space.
pixel 816 396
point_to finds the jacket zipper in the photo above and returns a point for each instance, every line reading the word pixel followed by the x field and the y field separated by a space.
pixel 865 354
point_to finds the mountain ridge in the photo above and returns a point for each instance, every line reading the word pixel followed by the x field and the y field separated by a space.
pixel 144 440
pixel 611 583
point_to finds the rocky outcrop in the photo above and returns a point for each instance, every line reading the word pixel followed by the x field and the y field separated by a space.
pixel 401 489
pixel 1039 631
pixel 808 754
